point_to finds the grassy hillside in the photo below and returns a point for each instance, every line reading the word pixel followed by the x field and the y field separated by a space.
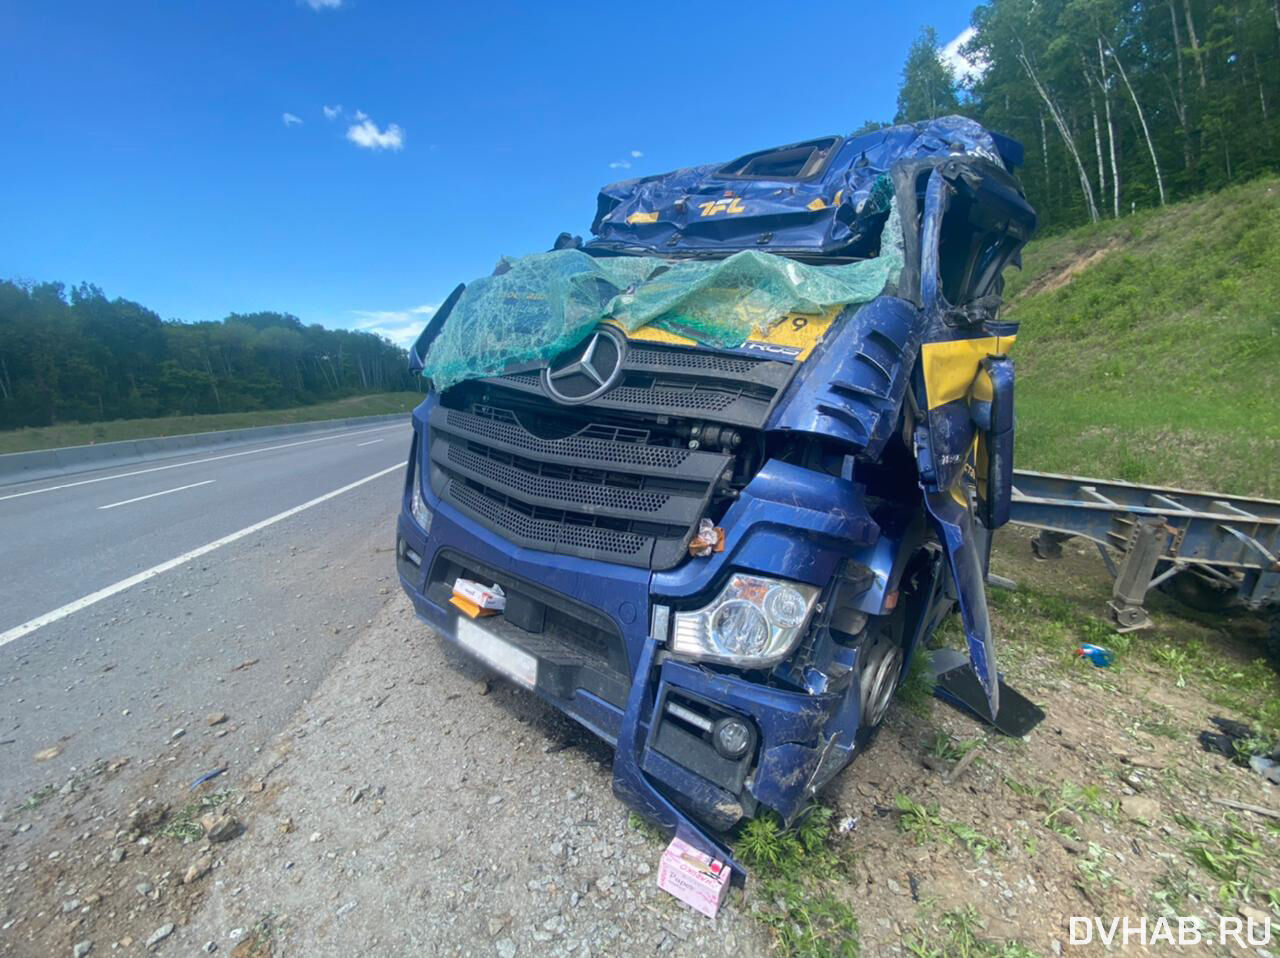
pixel 1150 346
pixel 81 434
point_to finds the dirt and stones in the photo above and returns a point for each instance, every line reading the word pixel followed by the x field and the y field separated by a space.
pixel 417 805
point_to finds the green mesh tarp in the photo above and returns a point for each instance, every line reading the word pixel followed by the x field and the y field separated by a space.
pixel 535 307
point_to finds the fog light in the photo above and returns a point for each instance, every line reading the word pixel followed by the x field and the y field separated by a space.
pixel 731 737
pixel 407 554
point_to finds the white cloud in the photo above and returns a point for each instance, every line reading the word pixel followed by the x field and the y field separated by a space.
pixel 636 154
pixel 365 134
pixel 323 4
pixel 619 165
pixel 332 112
pixel 966 70
pixel 290 119
pixel 401 326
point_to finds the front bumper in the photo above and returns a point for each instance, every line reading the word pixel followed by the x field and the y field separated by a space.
pixel 618 681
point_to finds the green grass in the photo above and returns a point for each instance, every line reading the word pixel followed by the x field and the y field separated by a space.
pixel 916 691
pixel 83 434
pixel 1035 624
pixel 925 824
pixel 1159 361
pixel 185 824
pixel 1229 855
pixel 794 870
pixel 36 799
pixel 960 935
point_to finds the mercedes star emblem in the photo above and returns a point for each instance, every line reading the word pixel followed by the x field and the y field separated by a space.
pixel 588 371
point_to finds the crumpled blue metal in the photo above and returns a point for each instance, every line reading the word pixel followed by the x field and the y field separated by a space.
pixel 837 212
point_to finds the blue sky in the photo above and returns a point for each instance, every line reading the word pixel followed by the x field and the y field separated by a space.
pixel 350 161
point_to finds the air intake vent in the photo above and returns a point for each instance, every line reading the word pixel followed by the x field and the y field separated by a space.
pixel 618 499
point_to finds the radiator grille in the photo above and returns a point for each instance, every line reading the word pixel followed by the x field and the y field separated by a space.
pixel 610 479
pixel 553 530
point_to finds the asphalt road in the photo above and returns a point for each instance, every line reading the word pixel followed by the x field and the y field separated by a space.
pixel 136 601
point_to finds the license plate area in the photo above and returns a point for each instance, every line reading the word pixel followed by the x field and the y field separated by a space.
pixel 499 654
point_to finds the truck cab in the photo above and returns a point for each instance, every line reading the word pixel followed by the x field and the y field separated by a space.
pixel 720 557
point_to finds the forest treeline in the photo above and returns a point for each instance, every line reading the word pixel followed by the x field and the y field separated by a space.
pixel 73 355
pixel 1120 105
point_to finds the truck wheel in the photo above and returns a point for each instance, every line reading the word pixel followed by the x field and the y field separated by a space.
pixel 1200 592
pixel 880 674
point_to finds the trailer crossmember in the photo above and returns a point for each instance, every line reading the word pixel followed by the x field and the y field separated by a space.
pixel 1148 534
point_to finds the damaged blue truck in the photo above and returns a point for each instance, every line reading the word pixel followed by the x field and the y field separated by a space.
pixel 733 460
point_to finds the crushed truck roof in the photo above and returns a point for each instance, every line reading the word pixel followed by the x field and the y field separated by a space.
pixel 713 253
pixel 826 197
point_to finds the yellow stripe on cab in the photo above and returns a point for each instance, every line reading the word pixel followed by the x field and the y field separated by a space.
pixel 951 368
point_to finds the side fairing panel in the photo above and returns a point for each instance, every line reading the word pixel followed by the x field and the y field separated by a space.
pixel 852 386
pixel 949 387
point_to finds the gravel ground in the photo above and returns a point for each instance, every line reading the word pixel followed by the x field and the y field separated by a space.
pixel 418 806
pixel 415 804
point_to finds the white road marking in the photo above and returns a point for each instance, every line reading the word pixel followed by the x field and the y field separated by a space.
pixel 368 442
pixel 154 494
pixel 48 618
pixel 195 462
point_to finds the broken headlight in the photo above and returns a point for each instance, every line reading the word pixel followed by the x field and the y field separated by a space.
pixel 754 622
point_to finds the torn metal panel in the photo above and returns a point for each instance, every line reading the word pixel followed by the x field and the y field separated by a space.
pixel 826 197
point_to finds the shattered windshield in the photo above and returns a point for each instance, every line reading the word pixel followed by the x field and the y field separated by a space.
pixel 533 308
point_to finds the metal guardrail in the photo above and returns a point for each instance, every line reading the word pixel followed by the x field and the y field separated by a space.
pixel 1155 532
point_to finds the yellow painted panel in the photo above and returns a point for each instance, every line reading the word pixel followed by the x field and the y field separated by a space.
pixel 652 334
pixel 950 368
pixel 795 330
pixel 643 218
pixel 801 332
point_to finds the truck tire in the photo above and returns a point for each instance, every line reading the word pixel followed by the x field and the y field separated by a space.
pixel 1200 592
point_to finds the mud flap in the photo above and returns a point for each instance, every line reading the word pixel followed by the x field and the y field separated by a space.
pixel 954 523
pixel 955 684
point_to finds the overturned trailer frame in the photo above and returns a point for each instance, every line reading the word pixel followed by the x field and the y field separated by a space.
pixel 1211 550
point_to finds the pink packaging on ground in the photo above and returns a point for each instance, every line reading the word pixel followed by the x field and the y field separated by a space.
pixel 697 879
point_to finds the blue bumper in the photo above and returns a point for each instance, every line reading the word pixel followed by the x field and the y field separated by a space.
pixel 622 693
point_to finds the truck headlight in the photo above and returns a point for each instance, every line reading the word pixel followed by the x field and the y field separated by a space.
pixel 753 622
pixel 421 514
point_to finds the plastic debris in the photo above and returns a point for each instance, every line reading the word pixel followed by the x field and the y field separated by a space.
pixel 1096 654
pixel 477 600
pixel 847 824
pixel 697 879
pixel 708 539
pixel 1240 743
pixel 208 776
pixel 1267 767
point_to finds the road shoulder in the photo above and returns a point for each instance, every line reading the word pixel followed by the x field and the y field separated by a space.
pixel 419 805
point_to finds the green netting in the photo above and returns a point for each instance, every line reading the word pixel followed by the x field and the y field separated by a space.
pixel 535 307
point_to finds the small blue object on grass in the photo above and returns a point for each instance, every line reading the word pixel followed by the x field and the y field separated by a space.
pixel 1096 654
